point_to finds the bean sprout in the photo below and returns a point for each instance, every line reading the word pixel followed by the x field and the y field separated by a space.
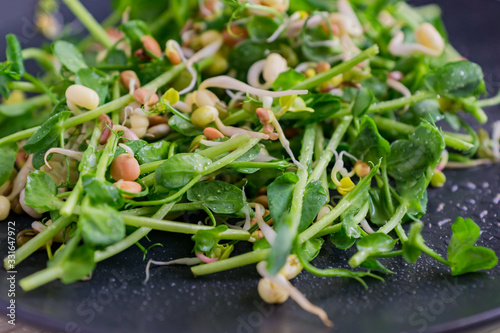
pixel 294 293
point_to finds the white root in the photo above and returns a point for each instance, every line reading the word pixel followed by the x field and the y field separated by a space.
pixel 285 143
pixel 128 132
pixel 294 293
pixel 267 230
pixel 354 27
pixel 254 72
pixel 209 143
pixel 205 52
pixel 27 209
pixel 227 82
pixel 19 182
pixel 398 48
pixel 495 140
pixel 366 227
pixel 129 150
pixel 183 107
pixel 248 220
pixel 180 261
pixel 401 88
pixel 231 131
pixel 77 155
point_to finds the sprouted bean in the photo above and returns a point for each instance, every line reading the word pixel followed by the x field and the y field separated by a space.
pixel 238 108
pixel 81 96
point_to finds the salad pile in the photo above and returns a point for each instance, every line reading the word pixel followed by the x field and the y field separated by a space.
pixel 277 125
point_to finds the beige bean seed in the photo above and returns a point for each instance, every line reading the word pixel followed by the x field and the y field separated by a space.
pixel 271 293
pixel 275 65
pixel 82 96
pixel 151 45
pixel 126 77
pixel 125 167
pixel 157 132
pixel 128 186
pixel 157 120
pixel 203 116
pixel 145 97
pixel 4 207
pixel 428 35
pixel 212 133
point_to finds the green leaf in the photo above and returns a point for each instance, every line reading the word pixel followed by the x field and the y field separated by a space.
pixel 246 53
pixel 135 145
pixel 463 255
pixel 314 43
pixel 310 249
pixel 415 193
pixel 315 196
pixel 69 56
pixel 372 263
pixel 47 134
pixel 428 110
pixel 8 152
pixel 456 79
pixel 183 127
pixel 369 145
pixel 79 265
pixel 100 224
pixel 40 191
pixel 4 90
pixel 14 55
pixel 220 197
pixel 324 105
pixel 180 169
pixel 261 27
pixel 370 246
pixel 341 240
pixel 102 192
pixel 473 259
pixel 412 247
pixel 76 261
pixel 379 213
pixel 153 152
pixel 364 98
pixel 465 234
pixel 279 193
pixel 410 159
pixel 288 79
pixel 134 30
pixel 206 240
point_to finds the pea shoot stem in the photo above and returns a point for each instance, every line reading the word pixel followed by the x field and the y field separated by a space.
pixel 69 206
pixel 39 240
pixel 89 22
pixel 23 86
pixel 224 147
pixel 327 155
pixel 41 277
pixel 181 227
pixel 133 238
pixel 454 140
pixel 396 218
pixel 319 146
pixel 318 79
pixel 489 101
pixel 341 206
pixel 278 255
pixel 230 263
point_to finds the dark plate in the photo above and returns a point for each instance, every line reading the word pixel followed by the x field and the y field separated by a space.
pixel 420 298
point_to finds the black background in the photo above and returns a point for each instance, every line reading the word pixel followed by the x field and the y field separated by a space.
pixel 416 298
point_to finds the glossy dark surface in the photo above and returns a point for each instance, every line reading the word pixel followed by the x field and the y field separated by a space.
pixel 416 298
